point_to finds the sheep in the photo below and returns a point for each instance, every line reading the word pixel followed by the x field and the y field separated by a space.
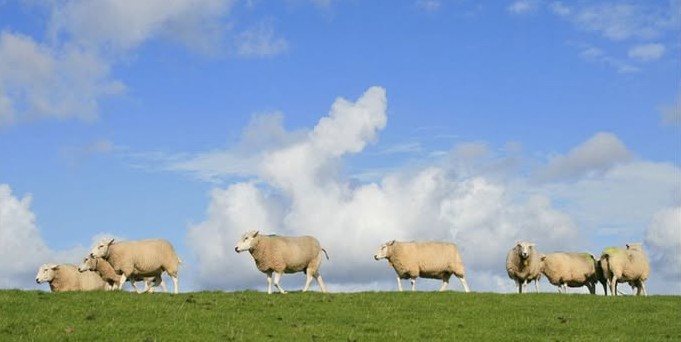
pixel 523 265
pixel 65 277
pixel 139 258
pixel 107 272
pixel 284 254
pixel 628 265
pixel 570 269
pixel 425 259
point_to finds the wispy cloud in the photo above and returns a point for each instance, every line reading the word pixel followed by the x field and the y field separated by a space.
pixel 522 6
pixel 260 41
pixel 429 5
pixel 647 52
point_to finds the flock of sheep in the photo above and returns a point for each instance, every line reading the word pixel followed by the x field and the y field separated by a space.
pixel 111 263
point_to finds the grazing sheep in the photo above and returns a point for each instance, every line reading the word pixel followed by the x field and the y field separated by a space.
pixel 628 265
pixel 433 260
pixel 107 272
pixel 66 277
pixel 570 269
pixel 523 265
pixel 284 254
pixel 139 258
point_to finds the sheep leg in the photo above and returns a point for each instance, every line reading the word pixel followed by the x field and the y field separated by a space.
pixel 399 283
pixel 320 282
pixel 613 285
pixel 122 281
pixel 176 284
pixel 536 285
pixel 308 280
pixel 163 284
pixel 413 284
pixel 643 288
pixel 269 282
pixel 464 284
pixel 518 287
pixel 445 282
pixel 277 278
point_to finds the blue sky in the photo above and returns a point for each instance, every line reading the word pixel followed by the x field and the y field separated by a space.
pixel 357 122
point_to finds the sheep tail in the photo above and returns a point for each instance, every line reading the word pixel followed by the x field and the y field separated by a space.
pixel 327 255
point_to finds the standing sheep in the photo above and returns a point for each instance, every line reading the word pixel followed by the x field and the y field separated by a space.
pixel 284 254
pixel 570 269
pixel 139 258
pixel 523 265
pixel 66 277
pixel 433 260
pixel 628 265
pixel 107 272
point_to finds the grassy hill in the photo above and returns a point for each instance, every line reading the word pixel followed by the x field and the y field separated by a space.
pixel 379 316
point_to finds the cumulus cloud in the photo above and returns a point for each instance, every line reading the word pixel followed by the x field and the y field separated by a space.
pixel 663 237
pixel 120 26
pixel 38 81
pixel 299 189
pixel 597 154
pixel 22 249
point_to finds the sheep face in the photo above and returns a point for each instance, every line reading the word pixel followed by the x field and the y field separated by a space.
pixel 246 241
pixel 88 264
pixel 46 273
pixel 382 252
pixel 101 250
pixel 524 249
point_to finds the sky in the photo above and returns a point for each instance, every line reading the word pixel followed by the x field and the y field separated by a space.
pixel 357 122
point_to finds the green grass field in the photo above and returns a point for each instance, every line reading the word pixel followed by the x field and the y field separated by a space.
pixel 379 316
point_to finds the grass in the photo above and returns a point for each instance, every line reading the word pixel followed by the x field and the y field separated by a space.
pixel 379 316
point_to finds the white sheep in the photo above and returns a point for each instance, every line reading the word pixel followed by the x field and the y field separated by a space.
pixel 628 265
pixel 523 265
pixel 425 259
pixel 108 273
pixel 139 258
pixel 570 269
pixel 65 277
pixel 284 254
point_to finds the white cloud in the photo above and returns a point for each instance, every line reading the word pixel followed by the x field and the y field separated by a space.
pixel 301 191
pixel 522 6
pixel 597 154
pixel 597 55
pixel 260 41
pixel 620 21
pixel 22 249
pixel 560 9
pixel 429 5
pixel 663 237
pixel 671 115
pixel 123 25
pixel 37 81
pixel 647 52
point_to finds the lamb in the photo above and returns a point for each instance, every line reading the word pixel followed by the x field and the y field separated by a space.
pixel 139 258
pixel 570 269
pixel 107 272
pixel 284 254
pixel 523 265
pixel 65 277
pixel 425 259
pixel 628 265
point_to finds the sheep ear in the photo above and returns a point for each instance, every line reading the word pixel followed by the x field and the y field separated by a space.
pixel 54 267
pixel 111 242
pixel 390 243
pixel 256 233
